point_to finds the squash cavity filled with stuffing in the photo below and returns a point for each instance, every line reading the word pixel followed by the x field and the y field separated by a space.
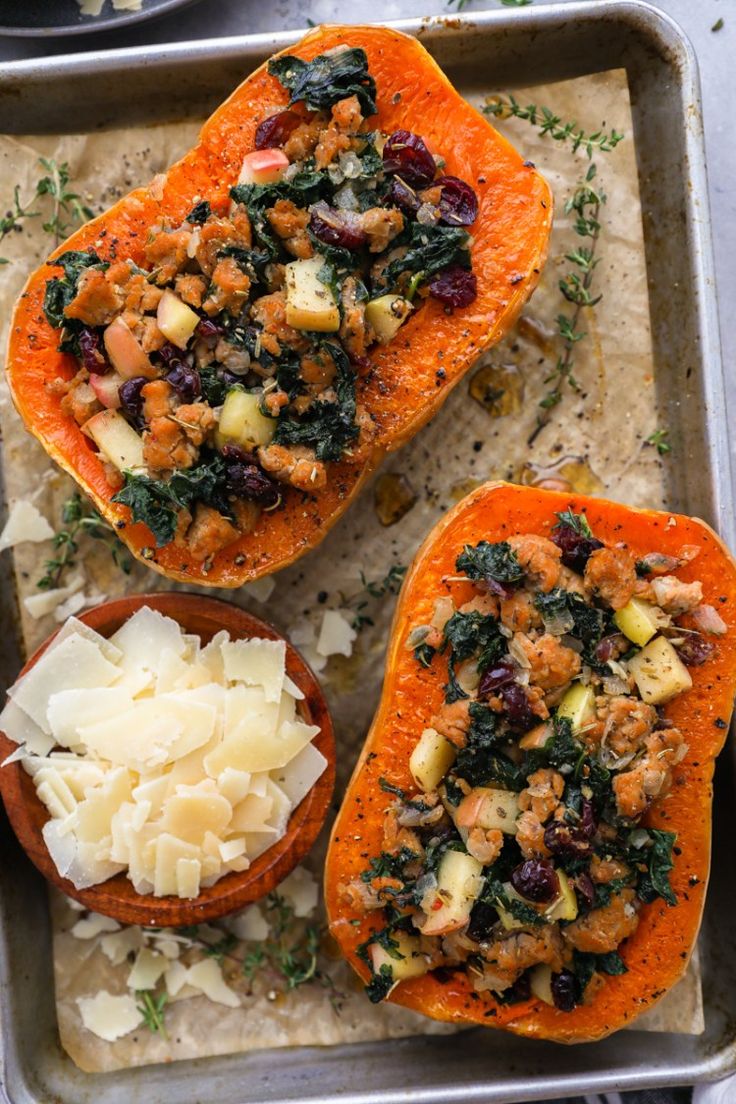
pixel 222 358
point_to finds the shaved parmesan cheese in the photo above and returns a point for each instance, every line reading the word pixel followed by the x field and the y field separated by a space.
pixel 18 726
pixel 256 663
pixel 175 978
pixel 147 969
pixel 69 710
pixel 75 603
pixel 336 636
pixel 174 762
pixel 116 946
pixel 44 603
pixel 250 925
pixel 75 664
pixel 299 775
pixel 260 589
pixel 169 948
pixel 127 5
pixel 25 523
pixel 90 926
pixel 207 977
pixel 108 1016
pixel 301 891
pixel 90 7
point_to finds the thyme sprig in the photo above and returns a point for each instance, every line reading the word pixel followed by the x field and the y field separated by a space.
pixel 373 591
pixel 576 287
pixel 79 519
pixel 152 1009
pixel 552 126
pixel 67 208
pixel 658 440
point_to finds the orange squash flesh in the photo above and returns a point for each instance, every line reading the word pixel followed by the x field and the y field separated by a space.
pixel 658 952
pixel 411 377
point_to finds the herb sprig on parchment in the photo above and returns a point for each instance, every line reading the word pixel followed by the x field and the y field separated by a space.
pixel 577 284
pixel 53 198
pixel 79 519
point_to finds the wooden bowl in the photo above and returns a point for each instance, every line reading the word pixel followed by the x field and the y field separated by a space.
pixel 116 897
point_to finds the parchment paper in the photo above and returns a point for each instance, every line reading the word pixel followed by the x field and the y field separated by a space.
pixel 596 440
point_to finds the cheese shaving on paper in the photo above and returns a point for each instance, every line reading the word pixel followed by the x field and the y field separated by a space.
pixel 25 523
pixel 157 757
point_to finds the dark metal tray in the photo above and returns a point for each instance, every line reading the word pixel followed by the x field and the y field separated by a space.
pixel 520 47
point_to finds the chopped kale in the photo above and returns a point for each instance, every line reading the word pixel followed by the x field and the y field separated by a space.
pixel 327 427
pixel 452 688
pixel 288 375
pixel 453 792
pixel 380 985
pixel 327 79
pixel 252 261
pixel 567 519
pixel 585 965
pixel 199 213
pixel 658 857
pixel 214 388
pixel 494 893
pixel 157 503
pixel 303 189
pixel 605 891
pixel 342 261
pixel 371 162
pixel 598 778
pixel 552 606
pixel 483 731
pixel 388 865
pixel 430 249
pixel 480 761
pixel 437 847
pixel 60 291
pixel 486 561
pixel 424 654
pixel 467 633
pixel 589 625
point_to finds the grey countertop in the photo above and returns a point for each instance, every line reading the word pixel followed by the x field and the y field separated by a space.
pixel 715 50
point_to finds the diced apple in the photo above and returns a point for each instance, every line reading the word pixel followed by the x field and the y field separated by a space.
pixel 659 673
pixel 413 964
pixel 540 981
pixel 638 620
pixel 116 439
pixel 310 304
pixel 125 352
pixel 107 389
pixel 176 321
pixel 264 166
pixel 459 882
pixel 242 423
pixel 431 759
pixel 386 315
pixel 489 809
pixel 578 706
pixel 565 907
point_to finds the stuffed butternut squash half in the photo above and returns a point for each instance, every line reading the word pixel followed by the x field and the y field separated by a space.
pixel 223 357
pixel 525 841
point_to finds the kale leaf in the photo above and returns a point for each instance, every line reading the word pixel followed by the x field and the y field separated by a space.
pixel 214 388
pixel 494 893
pixel 655 882
pixel 60 291
pixel 199 213
pixel 389 865
pixel 430 249
pixel 585 965
pixel 467 633
pixel 252 261
pixel 480 761
pixel 486 561
pixel 157 503
pixel 380 985
pixel 327 79
pixel 304 188
pixel 327 427
pixel 587 623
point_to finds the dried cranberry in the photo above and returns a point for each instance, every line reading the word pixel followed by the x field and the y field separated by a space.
pixel 207 328
pixel 454 286
pixel 403 197
pixel 406 153
pixel 275 130
pixel 169 353
pixel 498 674
pixel 584 890
pixel 518 711
pixel 567 842
pixel 92 352
pixel 610 647
pixel 131 399
pixel 536 880
pixel 185 381
pixel 458 201
pixel 335 227
pixel 587 818
pixel 564 990
pixel 482 919
pixel 521 990
pixel 245 479
pixel 694 650
pixel 576 549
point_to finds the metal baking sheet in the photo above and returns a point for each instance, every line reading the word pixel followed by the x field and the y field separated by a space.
pixel 520 47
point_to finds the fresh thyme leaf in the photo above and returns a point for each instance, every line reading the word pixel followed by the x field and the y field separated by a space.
pixel 552 126
pixel 328 78
pixel 718 25
pixel 515 3
pixel 79 519
pixel 568 519
pixel 152 1009
pixel 67 208
pixel 658 440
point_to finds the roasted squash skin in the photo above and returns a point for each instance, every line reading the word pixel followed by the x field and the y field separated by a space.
pixel 410 378
pixel 658 953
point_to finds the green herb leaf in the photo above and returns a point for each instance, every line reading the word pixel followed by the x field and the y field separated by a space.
pixel 327 79
pixel 486 561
